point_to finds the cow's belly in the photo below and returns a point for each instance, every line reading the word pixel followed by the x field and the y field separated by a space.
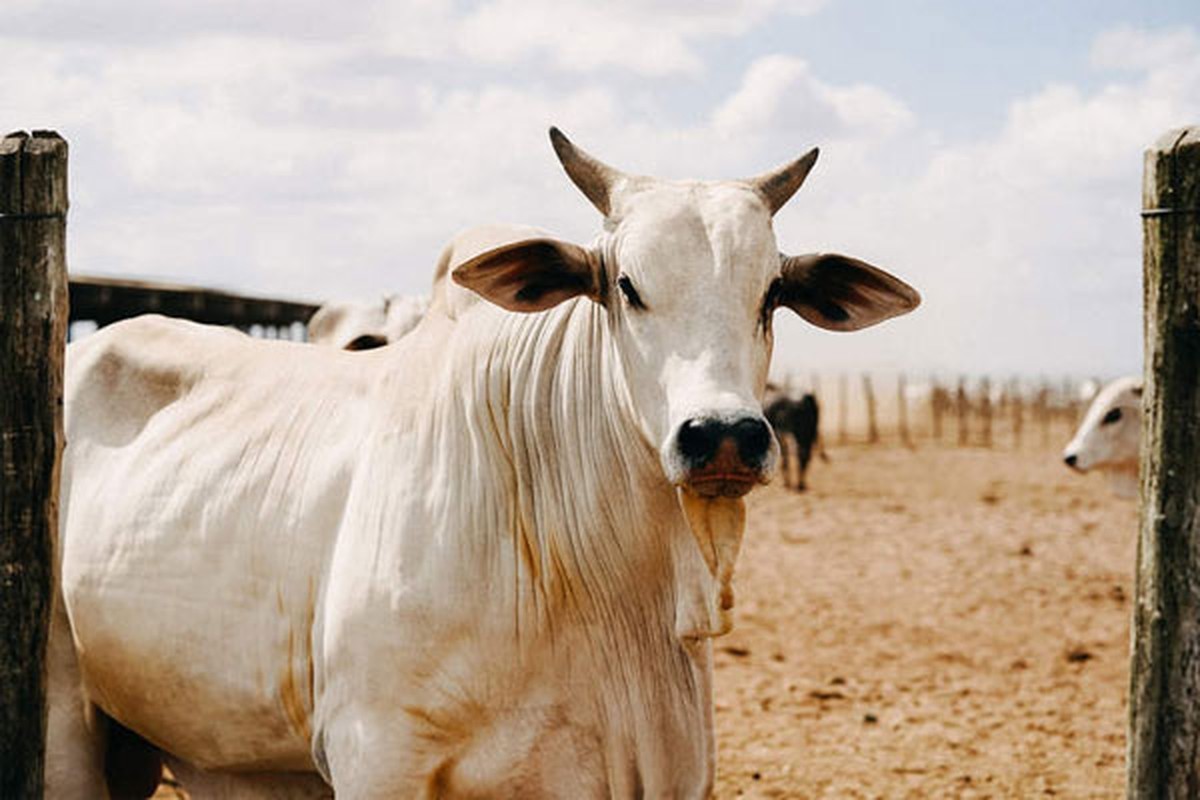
pixel 196 636
pixel 219 684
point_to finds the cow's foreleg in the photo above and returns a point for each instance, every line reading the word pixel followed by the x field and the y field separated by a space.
pixel 403 764
pixel 74 735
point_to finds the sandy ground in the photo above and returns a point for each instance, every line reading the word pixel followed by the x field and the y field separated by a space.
pixel 937 623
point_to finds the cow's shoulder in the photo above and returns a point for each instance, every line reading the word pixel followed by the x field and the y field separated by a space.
pixel 126 373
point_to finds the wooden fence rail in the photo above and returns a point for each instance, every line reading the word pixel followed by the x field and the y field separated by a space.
pixel 33 323
pixel 106 300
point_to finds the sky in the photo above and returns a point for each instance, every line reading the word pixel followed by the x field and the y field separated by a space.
pixel 988 153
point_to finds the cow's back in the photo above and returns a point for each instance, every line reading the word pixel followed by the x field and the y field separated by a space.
pixel 203 482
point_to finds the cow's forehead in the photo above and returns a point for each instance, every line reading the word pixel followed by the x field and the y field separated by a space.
pixel 718 225
pixel 1119 391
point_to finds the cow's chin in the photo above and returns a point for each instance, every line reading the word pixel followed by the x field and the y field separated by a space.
pixel 722 484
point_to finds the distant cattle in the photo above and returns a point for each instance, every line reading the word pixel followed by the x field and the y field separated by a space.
pixel 485 561
pixel 361 325
pixel 796 424
pixel 1109 438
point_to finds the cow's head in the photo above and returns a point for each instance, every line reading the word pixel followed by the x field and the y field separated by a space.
pixel 1109 437
pixel 690 277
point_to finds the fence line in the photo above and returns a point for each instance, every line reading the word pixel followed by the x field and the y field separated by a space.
pixel 107 300
pixel 970 411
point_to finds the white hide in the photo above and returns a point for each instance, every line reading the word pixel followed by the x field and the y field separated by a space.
pixel 342 324
pixel 1109 437
pixel 457 566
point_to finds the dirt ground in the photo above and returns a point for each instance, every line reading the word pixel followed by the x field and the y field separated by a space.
pixel 937 623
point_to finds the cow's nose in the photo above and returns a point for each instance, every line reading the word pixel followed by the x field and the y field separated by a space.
pixel 700 439
pixel 1071 460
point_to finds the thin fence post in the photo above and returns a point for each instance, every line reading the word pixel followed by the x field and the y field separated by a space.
pixel 963 408
pixel 33 331
pixel 869 394
pixel 937 406
pixel 902 410
pixel 1018 413
pixel 843 409
pixel 822 423
pixel 1164 717
pixel 985 412
pixel 1041 410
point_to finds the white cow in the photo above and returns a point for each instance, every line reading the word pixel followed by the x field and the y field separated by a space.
pixel 361 325
pixel 1109 437
pixel 486 561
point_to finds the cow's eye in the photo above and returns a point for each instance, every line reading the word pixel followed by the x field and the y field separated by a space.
pixel 630 293
pixel 1111 417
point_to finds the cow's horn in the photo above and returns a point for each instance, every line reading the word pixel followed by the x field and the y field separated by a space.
pixel 593 177
pixel 778 185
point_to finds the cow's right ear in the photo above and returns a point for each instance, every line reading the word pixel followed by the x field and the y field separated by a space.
pixel 530 274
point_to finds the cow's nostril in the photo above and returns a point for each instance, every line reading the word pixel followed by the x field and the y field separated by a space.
pixel 698 441
pixel 367 341
pixel 753 439
pixel 1070 460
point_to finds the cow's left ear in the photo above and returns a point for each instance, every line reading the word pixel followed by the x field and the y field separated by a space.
pixel 531 274
pixel 841 293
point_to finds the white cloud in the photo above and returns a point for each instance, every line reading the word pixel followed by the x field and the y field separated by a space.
pixel 1027 244
pixel 337 164
pixel 1126 48
pixel 779 95
pixel 653 37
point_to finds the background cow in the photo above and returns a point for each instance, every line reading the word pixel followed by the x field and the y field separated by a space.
pixel 485 561
pixel 796 424
pixel 1109 438
pixel 362 325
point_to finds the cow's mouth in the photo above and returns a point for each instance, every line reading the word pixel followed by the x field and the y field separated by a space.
pixel 724 483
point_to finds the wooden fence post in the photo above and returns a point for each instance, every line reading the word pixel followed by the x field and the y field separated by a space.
pixel 1041 410
pixel 843 409
pixel 902 411
pixel 937 405
pixel 822 411
pixel 33 330
pixel 963 408
pixel 869 392
pixel 1164 718
pixel 1018 413
pixel 985 412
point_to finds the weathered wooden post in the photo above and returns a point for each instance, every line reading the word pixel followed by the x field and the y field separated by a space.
pixel 1018 413
pixel 963 408
pixel 843 409
pixel 821 410
pixel 985 412
pixel 1164 707
pixel 33 329
pixel 902 411
pixel 869 394
pixel 1041 411
pixel 937 406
